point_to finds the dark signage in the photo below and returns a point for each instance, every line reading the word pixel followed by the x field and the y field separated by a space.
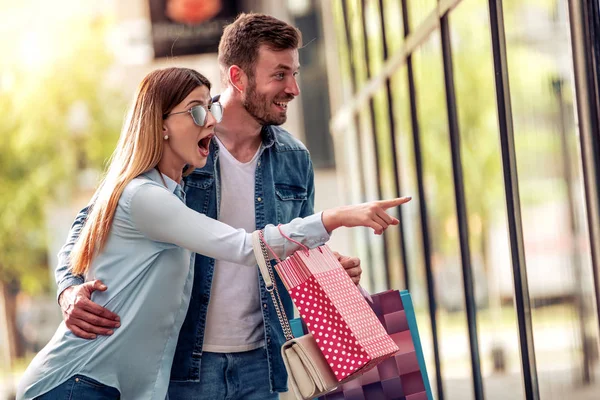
pixel 183 27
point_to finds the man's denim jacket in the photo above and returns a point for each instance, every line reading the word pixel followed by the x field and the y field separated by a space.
pixel 284 190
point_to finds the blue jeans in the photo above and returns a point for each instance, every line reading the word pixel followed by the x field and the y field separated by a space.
pixel 81 387
pixel 228 376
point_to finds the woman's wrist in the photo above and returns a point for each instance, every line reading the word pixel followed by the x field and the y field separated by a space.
pixel 330 219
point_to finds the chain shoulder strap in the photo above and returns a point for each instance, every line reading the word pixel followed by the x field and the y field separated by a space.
pixel 262 257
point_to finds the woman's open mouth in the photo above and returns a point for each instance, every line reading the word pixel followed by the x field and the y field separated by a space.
pixel 204 145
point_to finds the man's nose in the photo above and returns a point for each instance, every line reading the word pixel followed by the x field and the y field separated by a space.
pixel 293 88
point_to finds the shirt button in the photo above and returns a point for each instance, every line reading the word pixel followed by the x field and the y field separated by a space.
pixel 259 163
pixel 259 199
pixel 265 305
pixel 76 379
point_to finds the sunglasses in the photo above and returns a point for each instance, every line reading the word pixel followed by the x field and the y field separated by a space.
pixel 200 113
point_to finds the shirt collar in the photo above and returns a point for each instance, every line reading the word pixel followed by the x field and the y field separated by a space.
pixel 171 184
pixel 156 177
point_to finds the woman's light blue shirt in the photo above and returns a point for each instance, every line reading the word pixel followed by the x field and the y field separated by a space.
pixel 147 265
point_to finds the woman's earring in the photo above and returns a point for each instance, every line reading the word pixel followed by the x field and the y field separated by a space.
pixel 166 137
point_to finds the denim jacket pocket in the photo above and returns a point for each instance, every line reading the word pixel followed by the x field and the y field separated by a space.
pixel 198 188
pixel 289 201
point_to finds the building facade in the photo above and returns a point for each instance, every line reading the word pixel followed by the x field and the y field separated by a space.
pixel 486 113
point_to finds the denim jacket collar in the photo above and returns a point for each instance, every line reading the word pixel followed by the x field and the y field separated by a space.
pixel 269 138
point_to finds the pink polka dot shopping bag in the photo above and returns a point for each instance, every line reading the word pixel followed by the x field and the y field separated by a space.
pixel 345 337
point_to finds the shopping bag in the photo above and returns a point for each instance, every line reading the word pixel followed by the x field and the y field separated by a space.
pixel 346 329
pixel 403 376
pixel 309 373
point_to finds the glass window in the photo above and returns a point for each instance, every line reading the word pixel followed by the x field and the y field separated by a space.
pixel 418 11
pixel 485 198
pixel 552 200
pixel 385 151
pixel 360 147
pixel 392 15
pixel 550 182
pixel 411 215
pixel 442 220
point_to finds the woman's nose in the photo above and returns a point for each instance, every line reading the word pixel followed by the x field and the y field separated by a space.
pixel 210 120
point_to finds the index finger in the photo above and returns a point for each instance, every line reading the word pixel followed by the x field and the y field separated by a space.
pixel 98 310
pixel 385 204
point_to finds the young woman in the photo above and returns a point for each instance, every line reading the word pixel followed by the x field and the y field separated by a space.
pixel 140 238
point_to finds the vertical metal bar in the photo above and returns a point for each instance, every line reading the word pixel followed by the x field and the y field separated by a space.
pixel 511 187
pixel 585 32
pixel 359 159
pixel 576 266
pixel 461 207
pixel 423 211
pixel 386 257
pixel 392 122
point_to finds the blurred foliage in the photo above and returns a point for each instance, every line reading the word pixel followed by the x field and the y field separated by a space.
pixel 542 112
pixel 534 108
pixel 44 145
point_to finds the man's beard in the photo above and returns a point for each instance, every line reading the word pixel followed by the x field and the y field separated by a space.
pixel 258 106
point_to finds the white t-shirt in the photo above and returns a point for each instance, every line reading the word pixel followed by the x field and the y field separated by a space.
pixel 235 322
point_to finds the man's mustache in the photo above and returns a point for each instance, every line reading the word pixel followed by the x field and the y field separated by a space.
pixel 288 97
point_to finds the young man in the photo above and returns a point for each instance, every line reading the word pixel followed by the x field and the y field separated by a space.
pixel 256 174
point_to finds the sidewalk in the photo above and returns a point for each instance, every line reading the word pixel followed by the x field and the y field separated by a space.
pixel 554 385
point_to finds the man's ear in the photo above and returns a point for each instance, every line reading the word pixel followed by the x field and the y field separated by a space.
pixel 237 78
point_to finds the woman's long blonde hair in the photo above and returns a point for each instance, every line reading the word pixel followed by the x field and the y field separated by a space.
pixel 139 149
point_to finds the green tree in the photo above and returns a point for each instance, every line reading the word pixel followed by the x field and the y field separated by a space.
pixel 43 150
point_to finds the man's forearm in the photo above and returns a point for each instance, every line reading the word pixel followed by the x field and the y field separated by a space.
pixel 64 277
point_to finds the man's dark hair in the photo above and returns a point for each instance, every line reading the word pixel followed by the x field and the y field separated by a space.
pixel 243 38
